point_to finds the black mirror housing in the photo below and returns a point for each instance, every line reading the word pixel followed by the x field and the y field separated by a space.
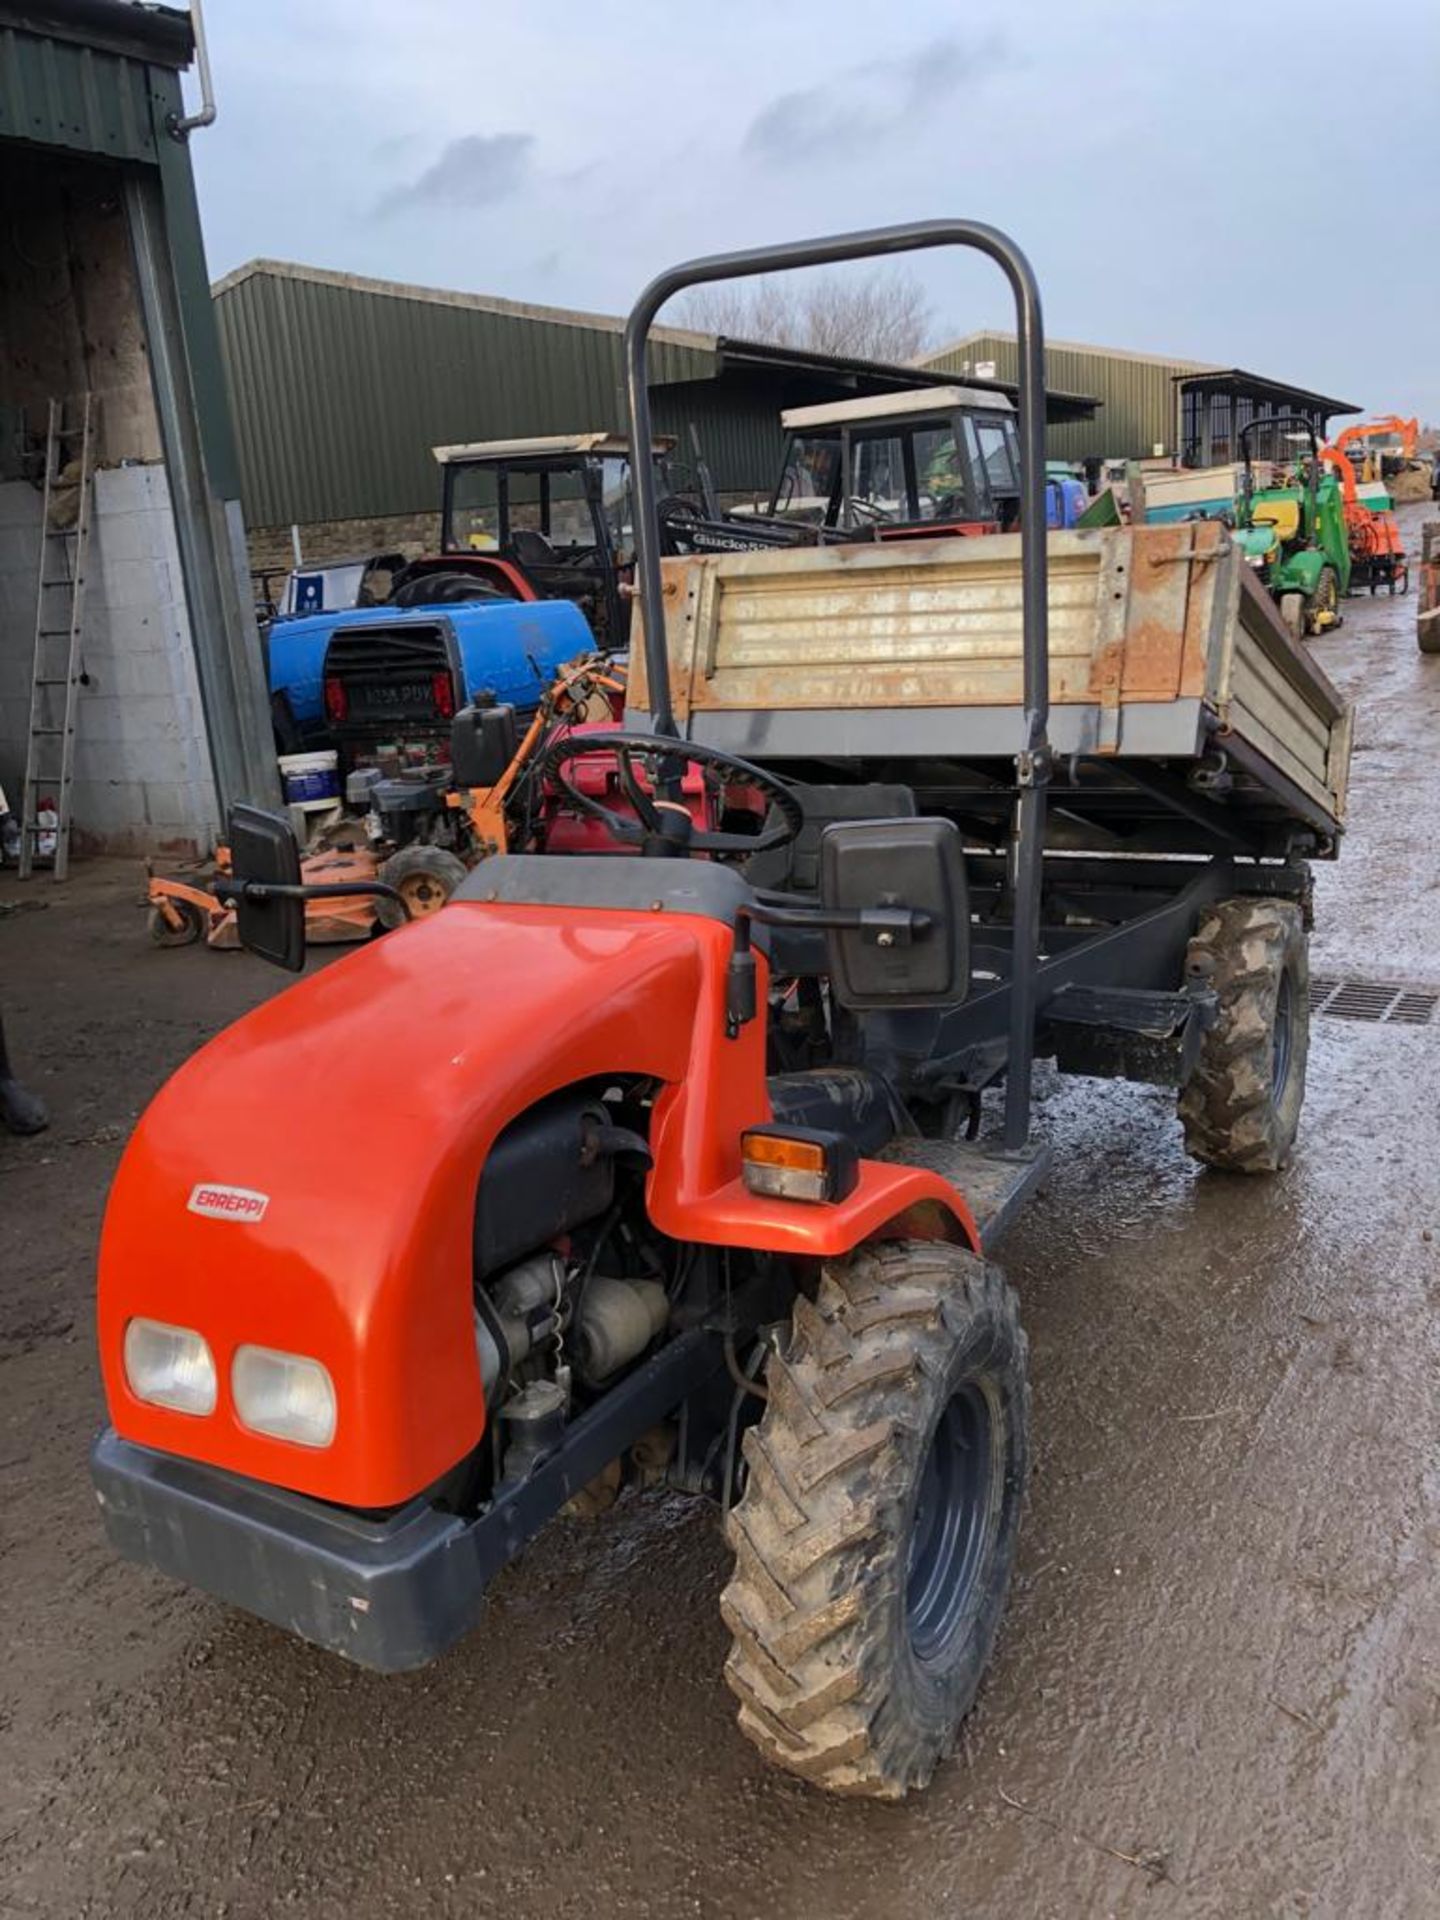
pixel 264 854
pixel 915 864
pixel 482 744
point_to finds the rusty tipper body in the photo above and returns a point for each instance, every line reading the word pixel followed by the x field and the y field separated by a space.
pixel 691 1164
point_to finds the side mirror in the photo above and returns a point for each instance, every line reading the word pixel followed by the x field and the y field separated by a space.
pixel 916 864
pixel 482 744
pixel 264 855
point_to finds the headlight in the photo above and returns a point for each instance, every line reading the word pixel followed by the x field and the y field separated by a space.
pixel 283 1395
pixel 169 1367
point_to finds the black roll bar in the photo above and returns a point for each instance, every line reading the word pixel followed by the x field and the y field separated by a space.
pixel 1032 758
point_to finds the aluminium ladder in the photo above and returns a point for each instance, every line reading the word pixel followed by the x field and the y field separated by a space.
pixel 57 671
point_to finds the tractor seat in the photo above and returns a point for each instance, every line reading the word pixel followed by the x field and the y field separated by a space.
pixel 795 868
pixel 1282 515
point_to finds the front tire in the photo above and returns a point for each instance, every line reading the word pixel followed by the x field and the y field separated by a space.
pixel 876 1534
pixel 1322 612
pixel 1241 1106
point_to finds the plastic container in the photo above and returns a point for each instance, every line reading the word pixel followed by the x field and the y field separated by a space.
pixel 311 779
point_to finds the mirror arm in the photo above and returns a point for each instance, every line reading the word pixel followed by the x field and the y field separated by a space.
pixel 232 891
pixel 886 926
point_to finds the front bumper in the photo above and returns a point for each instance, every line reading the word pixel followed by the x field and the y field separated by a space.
pixel 390 1593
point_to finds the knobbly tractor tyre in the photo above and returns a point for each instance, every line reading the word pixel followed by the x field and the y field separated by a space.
pixel 1241 1105
pixel 876 1533
pixel 424 877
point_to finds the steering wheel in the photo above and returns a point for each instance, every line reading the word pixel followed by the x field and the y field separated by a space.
pixel 868 510
pixel 665 826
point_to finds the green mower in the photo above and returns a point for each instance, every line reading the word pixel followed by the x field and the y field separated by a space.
pixel 1295 534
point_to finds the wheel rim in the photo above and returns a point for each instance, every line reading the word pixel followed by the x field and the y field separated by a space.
pixel 1284 1024
pixel 953 1523
pixel 424 894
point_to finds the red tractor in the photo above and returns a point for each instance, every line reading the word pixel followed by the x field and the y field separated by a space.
pixel 664 1168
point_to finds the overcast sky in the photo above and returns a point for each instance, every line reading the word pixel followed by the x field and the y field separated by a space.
pixel 1250 185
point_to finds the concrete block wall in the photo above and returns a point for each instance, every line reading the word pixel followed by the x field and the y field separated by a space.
pixel 143 781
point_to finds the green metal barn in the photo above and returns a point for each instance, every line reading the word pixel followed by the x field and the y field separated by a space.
pixel 340 386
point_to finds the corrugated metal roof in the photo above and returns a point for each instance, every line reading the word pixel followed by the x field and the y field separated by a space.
pixel 1236 381
pixel 967 342
pixel 450 297
pixel 59 94
pixel 138 29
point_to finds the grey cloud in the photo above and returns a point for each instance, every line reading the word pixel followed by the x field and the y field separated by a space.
pixel 867 101
pixel 476 171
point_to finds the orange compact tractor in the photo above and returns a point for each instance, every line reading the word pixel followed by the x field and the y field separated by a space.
pixel 697 1137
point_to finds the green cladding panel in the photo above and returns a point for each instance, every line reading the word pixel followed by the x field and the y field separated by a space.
pixel 56 93
pixel 1138 410
pixel 339 390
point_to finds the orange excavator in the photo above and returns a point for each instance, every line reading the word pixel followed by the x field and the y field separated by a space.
pixel 1372 442
pixel 1377 554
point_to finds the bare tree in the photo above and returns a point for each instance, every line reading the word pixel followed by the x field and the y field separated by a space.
pixel 879 315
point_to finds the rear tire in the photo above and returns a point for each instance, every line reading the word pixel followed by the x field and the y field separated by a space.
pixel 425 877
pixel 876 1534
pixel 1241 1106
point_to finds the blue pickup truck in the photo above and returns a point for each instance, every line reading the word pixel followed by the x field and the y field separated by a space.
pixel 352 678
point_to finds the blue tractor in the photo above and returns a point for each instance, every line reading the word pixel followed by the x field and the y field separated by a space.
pixel 369 676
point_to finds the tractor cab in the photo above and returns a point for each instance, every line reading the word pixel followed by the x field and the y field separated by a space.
pixel 552 516
pixel 894 466
pixel 1290 522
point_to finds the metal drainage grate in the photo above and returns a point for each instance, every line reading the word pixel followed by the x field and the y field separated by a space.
pixel 1393 1001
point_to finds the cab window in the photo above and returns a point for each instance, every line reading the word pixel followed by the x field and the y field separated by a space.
pixel 473 520
pixel 997 455
pixel 810 478
pixel 569 521
pixel 939 474
pixel 615 499
pixel 878 486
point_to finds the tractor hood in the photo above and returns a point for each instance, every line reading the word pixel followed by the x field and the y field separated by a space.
pixel 306 1182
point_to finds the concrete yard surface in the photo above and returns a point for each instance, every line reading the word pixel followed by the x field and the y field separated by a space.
pixel 1216 1695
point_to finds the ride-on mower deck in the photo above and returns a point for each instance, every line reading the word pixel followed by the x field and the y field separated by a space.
pixel 682 1172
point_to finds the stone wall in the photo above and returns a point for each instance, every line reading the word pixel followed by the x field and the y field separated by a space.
pixel 272 551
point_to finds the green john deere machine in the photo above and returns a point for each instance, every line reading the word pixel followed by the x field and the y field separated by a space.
pixel 1294 533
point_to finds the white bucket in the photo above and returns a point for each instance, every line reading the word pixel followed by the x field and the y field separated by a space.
pixel 310 779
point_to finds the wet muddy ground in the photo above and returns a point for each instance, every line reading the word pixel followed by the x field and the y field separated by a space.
pixel 1217 1693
